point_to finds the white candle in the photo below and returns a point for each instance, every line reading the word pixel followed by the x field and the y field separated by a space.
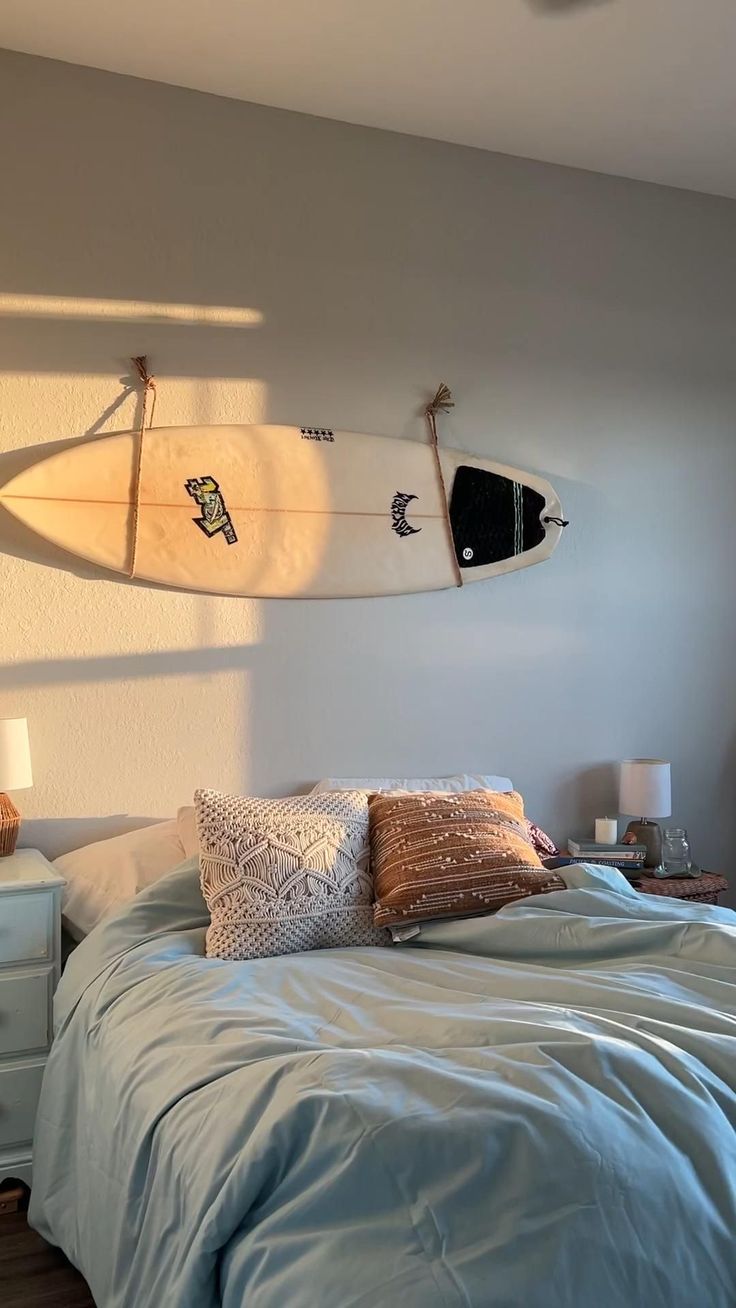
pixel 606 831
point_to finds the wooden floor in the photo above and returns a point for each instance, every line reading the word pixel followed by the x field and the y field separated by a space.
pixel 32 1274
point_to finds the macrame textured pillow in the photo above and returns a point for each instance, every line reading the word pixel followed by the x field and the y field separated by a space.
pixel 284 875
pixel 451 855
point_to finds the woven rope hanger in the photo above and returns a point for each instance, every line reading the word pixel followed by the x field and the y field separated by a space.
pixel 442 403
pixel 140 363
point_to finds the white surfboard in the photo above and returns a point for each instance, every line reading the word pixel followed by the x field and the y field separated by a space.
pixel 286 511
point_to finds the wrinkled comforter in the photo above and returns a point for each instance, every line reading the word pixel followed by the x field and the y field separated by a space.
pixel 535 1109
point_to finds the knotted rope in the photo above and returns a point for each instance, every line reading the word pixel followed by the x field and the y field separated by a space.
pixel 140 363
pixel 442 403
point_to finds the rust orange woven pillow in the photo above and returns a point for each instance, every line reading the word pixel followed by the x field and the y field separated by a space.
pixel 451 855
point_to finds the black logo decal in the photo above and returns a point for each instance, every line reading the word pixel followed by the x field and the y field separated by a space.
pixel 215 516
pixel 317 434
pixel 399 505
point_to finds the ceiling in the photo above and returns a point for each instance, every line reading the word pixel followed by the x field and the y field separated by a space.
pixel 639 88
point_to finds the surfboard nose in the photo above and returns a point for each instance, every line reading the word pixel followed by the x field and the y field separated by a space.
pixel 80 494
pixel 492 517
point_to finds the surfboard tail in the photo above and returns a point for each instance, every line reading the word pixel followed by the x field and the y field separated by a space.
pixel 499 522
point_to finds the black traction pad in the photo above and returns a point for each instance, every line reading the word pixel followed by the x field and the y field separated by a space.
pixel 492 517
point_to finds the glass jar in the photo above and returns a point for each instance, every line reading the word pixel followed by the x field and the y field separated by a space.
pixel 676 856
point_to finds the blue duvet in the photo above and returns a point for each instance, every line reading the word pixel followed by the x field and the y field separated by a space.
pixel 531 1110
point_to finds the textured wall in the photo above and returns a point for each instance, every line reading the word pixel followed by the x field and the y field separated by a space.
pixel 585 325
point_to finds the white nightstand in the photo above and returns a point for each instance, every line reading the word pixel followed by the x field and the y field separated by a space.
pixel 30 952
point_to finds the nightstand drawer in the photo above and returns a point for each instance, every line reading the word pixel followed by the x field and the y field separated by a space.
pixel 25 927
pixel 19 1091
pixel 25 1002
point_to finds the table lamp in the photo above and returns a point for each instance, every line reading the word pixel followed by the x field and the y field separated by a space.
pixel 15 774
pixel 645 789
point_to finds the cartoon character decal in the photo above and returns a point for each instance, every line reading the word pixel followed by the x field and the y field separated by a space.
pixel 215 516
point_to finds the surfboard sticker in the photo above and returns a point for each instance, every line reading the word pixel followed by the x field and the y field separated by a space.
pixel 302 512
pixel 215 517
pixel 399 524
pixel 317 434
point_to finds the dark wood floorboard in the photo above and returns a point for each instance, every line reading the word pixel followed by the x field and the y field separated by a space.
pixel 32 1274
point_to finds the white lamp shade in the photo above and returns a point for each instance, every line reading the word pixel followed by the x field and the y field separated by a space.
pixel 645 788
pixel 15 755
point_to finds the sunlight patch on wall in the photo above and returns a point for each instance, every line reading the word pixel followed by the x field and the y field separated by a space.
pixel 83 620
pixel 83 309
pixel 39 407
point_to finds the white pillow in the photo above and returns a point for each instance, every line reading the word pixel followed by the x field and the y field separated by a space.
pixel 187 825
pixel 103 876
pixel 459 782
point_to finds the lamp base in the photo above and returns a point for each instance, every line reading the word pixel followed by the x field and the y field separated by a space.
pixel 9 826
pixel 649 834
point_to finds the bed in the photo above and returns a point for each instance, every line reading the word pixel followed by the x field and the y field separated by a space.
pixel 525 1109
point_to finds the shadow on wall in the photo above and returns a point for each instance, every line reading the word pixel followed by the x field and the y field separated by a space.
pixel 360 283
pixel 57 836
pixel 588 793
pixel 127 667
pixel 19 540
pixel 285 629
pixel 561 7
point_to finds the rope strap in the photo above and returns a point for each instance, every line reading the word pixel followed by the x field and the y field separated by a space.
pixel 442 403
pixel 140 363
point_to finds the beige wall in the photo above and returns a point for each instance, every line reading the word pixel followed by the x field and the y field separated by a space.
pixel 586 327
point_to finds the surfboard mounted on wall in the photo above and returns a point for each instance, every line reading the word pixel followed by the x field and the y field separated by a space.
pixel 302 512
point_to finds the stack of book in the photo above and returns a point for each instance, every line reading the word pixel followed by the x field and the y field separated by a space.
pixel 628 858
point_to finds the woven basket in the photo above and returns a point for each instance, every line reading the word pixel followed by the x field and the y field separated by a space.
pixel 9 826
pixel 704 889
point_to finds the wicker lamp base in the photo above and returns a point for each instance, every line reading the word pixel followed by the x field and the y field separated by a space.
pixel 9 826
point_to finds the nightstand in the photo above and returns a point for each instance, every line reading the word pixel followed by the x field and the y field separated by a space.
pixel 30 953
pixel 704 889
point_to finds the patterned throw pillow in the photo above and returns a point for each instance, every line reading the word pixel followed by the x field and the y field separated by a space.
pixel 451 855
pixel 284 875
pixel 544 844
